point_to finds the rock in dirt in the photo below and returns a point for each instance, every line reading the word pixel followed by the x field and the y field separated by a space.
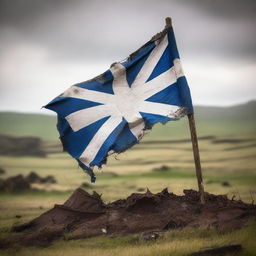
pixel 84 215
pixel 149 236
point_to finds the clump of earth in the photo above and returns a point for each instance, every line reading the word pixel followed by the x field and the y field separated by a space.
pixel 85 215
pixel 33 177
pixel 19 183
pixel 14 184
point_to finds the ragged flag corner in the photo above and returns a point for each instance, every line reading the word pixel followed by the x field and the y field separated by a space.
pixel 111 112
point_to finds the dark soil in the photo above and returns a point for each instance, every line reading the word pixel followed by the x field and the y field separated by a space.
pixel 84 215
pixel 220 251
pixel 33 177
pixel 19 183
pixel 14 184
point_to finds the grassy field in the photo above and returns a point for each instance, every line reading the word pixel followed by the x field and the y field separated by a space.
pixel 229 159
pixel 228 154
pixel 175 243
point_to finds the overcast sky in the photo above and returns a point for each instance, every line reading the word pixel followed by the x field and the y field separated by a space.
pixel 48 45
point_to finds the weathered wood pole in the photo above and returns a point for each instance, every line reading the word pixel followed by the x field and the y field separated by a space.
pixel 192 126
pixel 195 147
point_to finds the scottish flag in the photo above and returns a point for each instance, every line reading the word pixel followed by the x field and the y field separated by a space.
pixel 111 112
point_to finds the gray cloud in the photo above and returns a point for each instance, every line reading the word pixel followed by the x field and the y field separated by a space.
pixel 228 9
pixel 47 45
pixel 109 30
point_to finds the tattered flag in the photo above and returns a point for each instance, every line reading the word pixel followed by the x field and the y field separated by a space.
pixel 111 112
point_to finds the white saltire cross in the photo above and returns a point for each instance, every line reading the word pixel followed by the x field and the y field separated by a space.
pixel 126 102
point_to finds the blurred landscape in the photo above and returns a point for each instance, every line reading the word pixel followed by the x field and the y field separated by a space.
pixel 164 158
pixel 223 121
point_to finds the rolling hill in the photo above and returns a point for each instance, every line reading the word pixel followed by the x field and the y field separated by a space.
pixel 234 120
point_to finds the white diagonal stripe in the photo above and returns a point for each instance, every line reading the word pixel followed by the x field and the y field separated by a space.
pixel 84 117
pixel 85 94
pixel 160 82
pixel 158 109
pixel 98 139
pixel 178 68
pixel 125 100
pixel 156 85
pixel 150 63
pixel 120 84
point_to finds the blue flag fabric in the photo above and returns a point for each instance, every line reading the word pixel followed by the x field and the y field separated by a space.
pixel 110 113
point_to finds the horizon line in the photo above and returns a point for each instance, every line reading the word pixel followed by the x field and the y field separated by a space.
pixel 48 112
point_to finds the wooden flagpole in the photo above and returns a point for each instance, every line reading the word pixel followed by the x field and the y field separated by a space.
pixel 194 141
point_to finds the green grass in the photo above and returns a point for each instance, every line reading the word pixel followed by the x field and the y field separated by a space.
pixel 134 168
pixel 176 242
pixel 22 124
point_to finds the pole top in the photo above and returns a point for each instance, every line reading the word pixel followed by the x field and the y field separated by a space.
pixel 168 22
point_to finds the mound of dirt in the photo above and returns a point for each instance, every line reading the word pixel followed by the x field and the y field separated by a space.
pixel 84 215
pixel 19 183
pixel 14 184
pixel 33 177
pixel 2 171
